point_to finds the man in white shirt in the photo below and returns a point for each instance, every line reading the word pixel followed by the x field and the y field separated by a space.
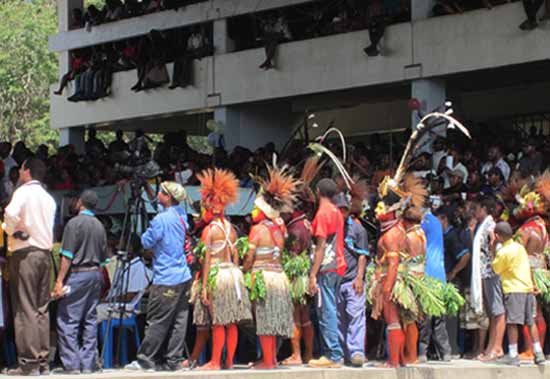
pixel 495 159
pixel 29 222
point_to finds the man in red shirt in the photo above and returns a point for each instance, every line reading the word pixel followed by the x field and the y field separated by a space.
pixel 329 265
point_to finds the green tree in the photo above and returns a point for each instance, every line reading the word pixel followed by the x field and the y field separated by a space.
pixel 27 69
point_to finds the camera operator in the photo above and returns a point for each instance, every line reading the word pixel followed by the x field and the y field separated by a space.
pixel 168 307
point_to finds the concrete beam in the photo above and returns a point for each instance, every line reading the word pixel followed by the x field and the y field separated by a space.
pixel 313 66
pixel 477 40
pixel 193 14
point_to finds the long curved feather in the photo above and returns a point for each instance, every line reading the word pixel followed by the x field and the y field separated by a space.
pixel 342 139
pixel 424 126
pixel 320 149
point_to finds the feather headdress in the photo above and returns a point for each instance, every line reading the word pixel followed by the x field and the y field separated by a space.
pixel 542 186
pixel 218 189
pixel 320 149
pixel 310 170
pixel 391 190
pixel 522 199
pixel 278 192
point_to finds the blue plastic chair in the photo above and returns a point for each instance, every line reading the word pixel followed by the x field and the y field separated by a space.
pixel 10 357
pixel 127 323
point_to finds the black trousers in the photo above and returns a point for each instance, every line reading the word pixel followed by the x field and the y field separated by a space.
pixel 531 8
pixel 30 293
pixel 435 329
pixel 166 325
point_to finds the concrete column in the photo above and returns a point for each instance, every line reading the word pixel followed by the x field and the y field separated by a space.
pixel 421 9
pixel 64 14
pixel 431 93
pixel 72 136
pixel 231 121
pixel 256 125
pixel 222 43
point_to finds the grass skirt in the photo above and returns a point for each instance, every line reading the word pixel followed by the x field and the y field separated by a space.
pixel 230 300
pixel 274 313
pixel 201 316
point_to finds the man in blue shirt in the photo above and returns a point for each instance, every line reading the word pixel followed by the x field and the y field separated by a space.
pixel 168 305
pixel 351 297
pixel 434 327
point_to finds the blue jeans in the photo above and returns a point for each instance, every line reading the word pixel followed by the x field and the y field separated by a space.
pixel 77 316
pixel 352 320
pixel 328 317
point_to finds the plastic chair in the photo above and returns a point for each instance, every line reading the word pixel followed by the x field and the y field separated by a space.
pixel 10 357
pixel 127 323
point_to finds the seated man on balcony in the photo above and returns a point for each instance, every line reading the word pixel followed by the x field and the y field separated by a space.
pixel 275 30
pixel 531 9
pixel 77 66
pixel 77 19
pixel 113 10
pixel 377 25
pixel 195 46
pixel 152 71
pixel 93 16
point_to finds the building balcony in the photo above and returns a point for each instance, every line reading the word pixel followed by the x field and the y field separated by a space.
pixel 435 47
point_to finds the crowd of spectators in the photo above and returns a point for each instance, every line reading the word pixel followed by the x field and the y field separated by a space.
pixel 458 172
pixel 453 170
pixel 92 68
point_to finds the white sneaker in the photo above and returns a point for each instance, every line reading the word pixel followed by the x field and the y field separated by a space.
pixel 135 366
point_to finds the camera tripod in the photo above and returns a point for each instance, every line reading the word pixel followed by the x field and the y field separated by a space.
pixel 135 221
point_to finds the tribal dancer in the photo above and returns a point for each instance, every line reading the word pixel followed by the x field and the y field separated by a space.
pixel 396 198
pixel 223 289
pixel 415 258
pixel 297 264
pixel 296 267
pixel 391 246
pixel 201 315
pixel 533 235
pixel 270 287
pixel 398 249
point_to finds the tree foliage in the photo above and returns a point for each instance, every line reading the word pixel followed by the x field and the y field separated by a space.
pixel 27 69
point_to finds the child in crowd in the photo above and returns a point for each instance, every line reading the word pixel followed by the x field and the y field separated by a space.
pixel 512 264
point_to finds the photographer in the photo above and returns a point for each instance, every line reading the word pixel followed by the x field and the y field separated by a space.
pixel 168 305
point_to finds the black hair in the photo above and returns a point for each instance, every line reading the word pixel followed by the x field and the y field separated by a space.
pixel 327 188
pixel 36 167
pixel 489 203
pixel 89 199
pixel 504 230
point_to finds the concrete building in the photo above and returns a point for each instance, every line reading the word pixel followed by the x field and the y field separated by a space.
pixel 480 60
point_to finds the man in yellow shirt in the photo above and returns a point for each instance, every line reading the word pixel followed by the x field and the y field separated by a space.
pixel 512 264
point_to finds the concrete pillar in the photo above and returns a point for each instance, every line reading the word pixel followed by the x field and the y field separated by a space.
pixel 72 136
pixel 231 121
pixel 421 9
pixel 256 125
pixel 64 14
pixel 431 93
pixel 222 43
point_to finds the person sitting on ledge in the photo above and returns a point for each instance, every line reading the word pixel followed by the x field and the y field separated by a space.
pixel 78 65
